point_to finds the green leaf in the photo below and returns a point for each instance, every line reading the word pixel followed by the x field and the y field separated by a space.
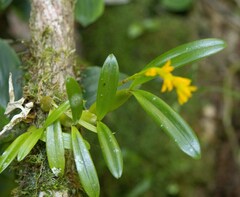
pixel 75 98
pixel 90 77
pixel 9 62
pixel 170 122
pixel 4 4
pixel 55 148
pixel 67 142
pixel 111 152
pixel 88 126
pixel 56 113
pixel 11 152
pixel 87 11
pixel 85 167
pixel 66 139
pixel 89 81
pixel 30 142
pixel 190 52
pixel 185 54
pixel 107 86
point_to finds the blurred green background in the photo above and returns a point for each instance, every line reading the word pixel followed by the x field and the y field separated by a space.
pixel 136 32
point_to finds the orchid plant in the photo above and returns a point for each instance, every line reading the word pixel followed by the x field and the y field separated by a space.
pixel 86 109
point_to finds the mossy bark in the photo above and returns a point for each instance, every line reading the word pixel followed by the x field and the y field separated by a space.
pixel 53 45
pixel 50 61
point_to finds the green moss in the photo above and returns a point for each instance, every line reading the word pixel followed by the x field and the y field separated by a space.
pixel 34 176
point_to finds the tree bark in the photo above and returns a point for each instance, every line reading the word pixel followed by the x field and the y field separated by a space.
pixel 53 45
pixel 51 60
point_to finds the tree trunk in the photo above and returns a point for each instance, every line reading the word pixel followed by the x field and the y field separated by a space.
pixel 53 45
pixel 51 60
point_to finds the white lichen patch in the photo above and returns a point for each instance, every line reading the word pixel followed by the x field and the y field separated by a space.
pixel 56 171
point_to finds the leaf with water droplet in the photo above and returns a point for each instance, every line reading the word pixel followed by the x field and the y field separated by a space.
pixel 110 150
pixel 84 164
pixel 55 148
pixel 107 86
pixel 170 122
pixel 75 98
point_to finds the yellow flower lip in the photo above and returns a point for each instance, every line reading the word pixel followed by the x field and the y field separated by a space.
pixel 183 85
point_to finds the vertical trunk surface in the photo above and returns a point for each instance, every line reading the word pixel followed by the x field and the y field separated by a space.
pixel 51 60
pixel 52 25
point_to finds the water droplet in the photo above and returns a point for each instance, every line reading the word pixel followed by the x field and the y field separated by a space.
pixel 154 98
pixel 191 150
pixel 116 150
pixel 75 100
pixel 161 125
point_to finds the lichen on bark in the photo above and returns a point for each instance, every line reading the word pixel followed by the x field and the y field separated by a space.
pixel 53 45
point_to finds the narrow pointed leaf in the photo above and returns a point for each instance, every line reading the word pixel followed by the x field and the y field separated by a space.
pixel 75 98
pixel 89 81
pixel 107 86
pixel 11 152
pixel 67 141
pixel 185 54
pixel 87 11
pixel 56 113
pixel 111 152
pixel 29 143
pixel 85 167
pixel 170 122
pixel 55 148
pixel 189 52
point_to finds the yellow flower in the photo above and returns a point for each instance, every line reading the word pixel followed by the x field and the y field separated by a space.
pixel 182 85
pixel 183 88
pixel 167 83
pixel 166 69
pixel 166 75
